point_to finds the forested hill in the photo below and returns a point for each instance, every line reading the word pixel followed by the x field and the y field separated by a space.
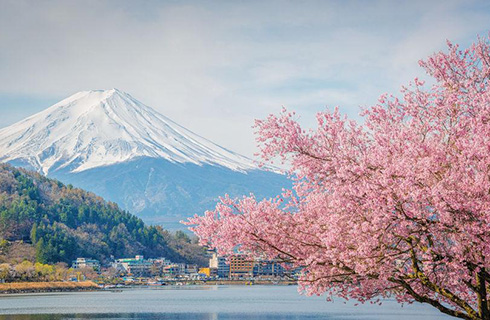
pixel 63 223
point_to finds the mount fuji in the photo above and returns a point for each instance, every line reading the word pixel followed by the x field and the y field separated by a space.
pixel 107 142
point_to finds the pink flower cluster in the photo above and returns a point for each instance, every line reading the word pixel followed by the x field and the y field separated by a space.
pixel 398 206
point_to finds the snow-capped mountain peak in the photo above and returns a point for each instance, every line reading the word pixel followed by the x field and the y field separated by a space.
pixel 102 127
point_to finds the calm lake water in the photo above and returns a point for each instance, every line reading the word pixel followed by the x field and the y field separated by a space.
pixel 201 303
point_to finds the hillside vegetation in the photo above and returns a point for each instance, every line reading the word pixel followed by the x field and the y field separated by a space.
pixel 61 223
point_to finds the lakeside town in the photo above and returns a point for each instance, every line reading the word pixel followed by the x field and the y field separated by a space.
pixel 161 271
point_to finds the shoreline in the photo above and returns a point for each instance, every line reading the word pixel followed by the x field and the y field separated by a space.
pixel 242 282
pixel 61 286
pixel 43 287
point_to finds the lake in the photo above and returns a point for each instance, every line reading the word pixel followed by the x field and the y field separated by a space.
pixel 201 303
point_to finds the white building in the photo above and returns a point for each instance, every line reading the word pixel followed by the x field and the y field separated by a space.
pixel 81 263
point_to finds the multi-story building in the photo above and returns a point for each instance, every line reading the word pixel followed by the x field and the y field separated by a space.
pixel 235 267
pixel 223 268
pixel 241 267
pixel 137 266
pixel 213 261
pixel 174 270
pixel 268 269
pixel 81 263
pixel 191 268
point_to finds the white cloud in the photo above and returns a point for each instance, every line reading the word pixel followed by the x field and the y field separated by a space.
pixel 215 66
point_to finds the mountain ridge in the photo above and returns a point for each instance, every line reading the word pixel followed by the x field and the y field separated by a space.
pixel 109 143
pixel 61 222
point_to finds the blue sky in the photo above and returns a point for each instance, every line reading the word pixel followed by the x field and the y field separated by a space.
pixel 214 66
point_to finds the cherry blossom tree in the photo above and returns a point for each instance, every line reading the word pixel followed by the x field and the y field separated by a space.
pixel 398 206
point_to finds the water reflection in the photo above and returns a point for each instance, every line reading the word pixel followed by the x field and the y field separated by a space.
pixel 164 316
pixel 202 302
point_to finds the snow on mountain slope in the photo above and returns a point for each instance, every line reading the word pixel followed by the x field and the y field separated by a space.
pixel 98 128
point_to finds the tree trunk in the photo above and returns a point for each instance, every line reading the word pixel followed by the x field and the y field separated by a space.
pixel 482 295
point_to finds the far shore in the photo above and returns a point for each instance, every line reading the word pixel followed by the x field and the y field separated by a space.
pixel 63 286
pixel 238 282
pixel 54 286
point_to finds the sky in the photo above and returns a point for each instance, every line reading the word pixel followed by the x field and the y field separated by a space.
pixel 215 66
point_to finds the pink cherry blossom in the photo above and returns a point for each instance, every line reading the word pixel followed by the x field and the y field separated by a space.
pixel 398 206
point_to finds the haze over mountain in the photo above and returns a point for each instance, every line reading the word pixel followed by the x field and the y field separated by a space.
pixel 108 142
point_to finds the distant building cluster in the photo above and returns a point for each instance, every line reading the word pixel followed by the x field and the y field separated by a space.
pixel 141 267
pixel 236 267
